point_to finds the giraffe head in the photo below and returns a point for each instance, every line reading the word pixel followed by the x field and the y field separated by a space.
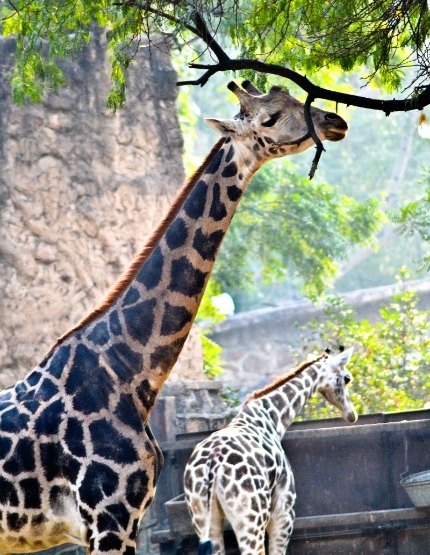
pixel 333 382
pixel 274 125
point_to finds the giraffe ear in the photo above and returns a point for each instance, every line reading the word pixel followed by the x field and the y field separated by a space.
pixel 342 359
pixel 225 127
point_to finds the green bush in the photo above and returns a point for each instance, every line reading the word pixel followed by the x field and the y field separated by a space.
pixel 391 359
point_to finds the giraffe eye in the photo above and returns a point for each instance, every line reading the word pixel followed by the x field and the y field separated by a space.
pixel 346 379
pixel 272 120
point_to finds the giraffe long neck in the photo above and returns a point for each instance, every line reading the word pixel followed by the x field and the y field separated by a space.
pixel 138 334
pixel 279 408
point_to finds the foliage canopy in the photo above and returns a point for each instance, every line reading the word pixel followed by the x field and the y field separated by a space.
pixel 414 217
pixel 287 225
pixel 385 36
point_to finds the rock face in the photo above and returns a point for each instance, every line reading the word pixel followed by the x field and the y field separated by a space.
pixel 81 188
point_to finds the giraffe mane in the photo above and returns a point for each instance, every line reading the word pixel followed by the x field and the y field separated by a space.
pixel 278 382
pixel 127 277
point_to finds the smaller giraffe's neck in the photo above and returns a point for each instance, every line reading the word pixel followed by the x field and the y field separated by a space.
pixel 282 403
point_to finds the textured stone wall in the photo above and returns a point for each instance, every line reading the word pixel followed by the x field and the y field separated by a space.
pixel 188 407
pixel 81 188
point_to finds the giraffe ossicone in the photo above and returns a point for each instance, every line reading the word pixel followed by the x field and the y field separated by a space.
pixel 78 461
pixel 241 473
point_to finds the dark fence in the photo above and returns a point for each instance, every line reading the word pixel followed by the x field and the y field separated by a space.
pixel 349 497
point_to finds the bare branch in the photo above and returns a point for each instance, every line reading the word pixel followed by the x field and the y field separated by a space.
pixel 319 146
pixel 16 10
pixel 204 34
pixel 418 102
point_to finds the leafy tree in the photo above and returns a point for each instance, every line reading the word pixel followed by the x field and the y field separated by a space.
pixel 380 154
pixel 414 217
pixel 287 225
pixel 391 359
pixel 318 34
pixel 385 36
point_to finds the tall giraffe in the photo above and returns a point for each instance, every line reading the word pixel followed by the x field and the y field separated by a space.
pixel 241 472
pixel 78 462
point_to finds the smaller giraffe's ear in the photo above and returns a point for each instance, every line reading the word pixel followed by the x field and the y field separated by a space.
pixel 225 127
pixel 342 358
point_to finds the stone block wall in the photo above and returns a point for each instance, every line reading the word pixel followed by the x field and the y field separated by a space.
pixel 81 188
pixel 187 408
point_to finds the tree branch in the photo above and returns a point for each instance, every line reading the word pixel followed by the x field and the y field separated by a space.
pixel 319 146
pixel 204 34
pixel 225 63
pixel 16 10
pixel 387 106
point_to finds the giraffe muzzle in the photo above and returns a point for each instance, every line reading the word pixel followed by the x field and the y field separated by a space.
pixel 351 417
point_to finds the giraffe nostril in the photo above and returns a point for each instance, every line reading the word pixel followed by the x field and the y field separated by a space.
pixel 337 121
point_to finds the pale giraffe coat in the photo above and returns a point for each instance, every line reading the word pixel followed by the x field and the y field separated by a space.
pixel 241 473
pixel 78 462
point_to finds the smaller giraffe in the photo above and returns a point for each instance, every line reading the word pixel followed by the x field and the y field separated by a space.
pixel 240 473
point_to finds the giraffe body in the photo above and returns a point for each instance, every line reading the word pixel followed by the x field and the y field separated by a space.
pixel 240 473
pixel 78 461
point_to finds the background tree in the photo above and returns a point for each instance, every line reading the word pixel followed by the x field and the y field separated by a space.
pixel 414 217
pixel 288 227
pixel 386 40
pixel 379 164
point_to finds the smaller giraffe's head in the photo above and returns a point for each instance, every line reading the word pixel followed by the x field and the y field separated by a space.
pixel 333 383
pixel 274 123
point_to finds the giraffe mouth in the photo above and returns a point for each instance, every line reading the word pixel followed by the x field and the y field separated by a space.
pixel 335 135
pixel 351 417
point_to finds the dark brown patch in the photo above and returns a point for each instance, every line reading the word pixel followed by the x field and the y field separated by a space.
pixel 230 154
pixel 230 170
